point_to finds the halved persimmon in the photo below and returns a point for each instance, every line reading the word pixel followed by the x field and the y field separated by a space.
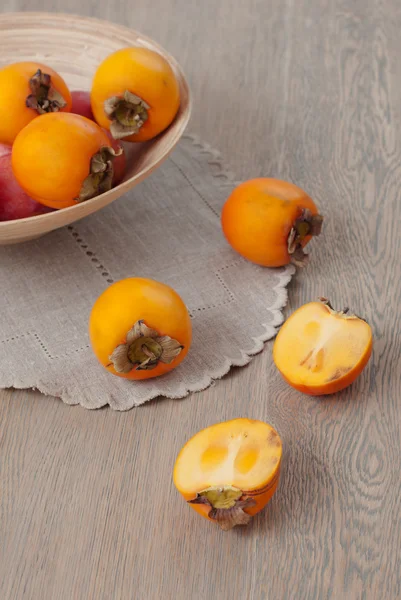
pixel 29 89
pixel 321 351
pixel 228 472
pixel 269 222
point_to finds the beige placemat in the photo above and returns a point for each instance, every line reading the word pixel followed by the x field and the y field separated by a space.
pixel 49 286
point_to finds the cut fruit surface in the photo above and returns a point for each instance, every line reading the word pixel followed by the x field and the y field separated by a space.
pixel 321 351
pixel 232 466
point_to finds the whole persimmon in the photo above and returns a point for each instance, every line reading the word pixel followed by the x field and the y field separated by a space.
pixel 61 159
pixel 135 94
pixel 321 351
pixel 269 222
pixel 228 472
pixel 29 89
pixel 140 328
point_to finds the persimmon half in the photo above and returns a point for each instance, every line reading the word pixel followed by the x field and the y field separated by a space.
pixel 29 89
pixel 269 222
pixel 140 328
pixel 61 159
pixel 135 94
pixel 228 472
pixel 321 351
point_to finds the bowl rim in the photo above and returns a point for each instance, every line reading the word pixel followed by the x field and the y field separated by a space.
pixel 13 17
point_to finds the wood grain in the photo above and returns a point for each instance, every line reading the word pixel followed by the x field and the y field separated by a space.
pixel 307 91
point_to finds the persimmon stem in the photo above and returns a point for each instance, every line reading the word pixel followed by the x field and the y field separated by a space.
pixel 127 114
pixel 226 505
pixel 305 225
pixel 44 98
pixel 100 178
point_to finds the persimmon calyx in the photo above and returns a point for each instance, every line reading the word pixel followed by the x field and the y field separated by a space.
pixel 227 505
pixel 43 97
pixel 100 178
pixel 144 349
pixel 344 313
pixel 127 114
pixel 305 225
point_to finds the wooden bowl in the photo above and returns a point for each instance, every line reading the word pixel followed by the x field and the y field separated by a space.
pixel 75 46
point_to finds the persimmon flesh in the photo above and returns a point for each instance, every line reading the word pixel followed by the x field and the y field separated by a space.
pixel 228 472
pixel 269 222
pixel 321 351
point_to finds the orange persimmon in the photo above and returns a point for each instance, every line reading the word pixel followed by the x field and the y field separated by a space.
pixel 269 222
pixel 140 328
pixel 228 472
pixel 60 159
pixel 135 94
pixel 321 351
pixel 29 89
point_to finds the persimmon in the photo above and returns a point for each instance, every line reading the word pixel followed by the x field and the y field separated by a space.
pixel 135 94
pixel 61 159
pixel 320 350
pixel 269 222
pixel 228 472
pixel 29 89
pixel 140 328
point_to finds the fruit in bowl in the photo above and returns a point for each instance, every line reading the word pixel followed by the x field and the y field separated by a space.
pixel 14 202
pixel 135 94
pixel 81 104
pixel 27 90
pixel 166 95
pixel 62 159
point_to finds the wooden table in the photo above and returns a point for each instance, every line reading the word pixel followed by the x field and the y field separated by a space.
pixel 305 90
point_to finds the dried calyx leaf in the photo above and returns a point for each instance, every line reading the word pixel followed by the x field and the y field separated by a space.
pixel 345 314
pixel 127 114
pixel 227 505
pixel 305 225
pixel 144 349
pixel 44 98
pixel 100 178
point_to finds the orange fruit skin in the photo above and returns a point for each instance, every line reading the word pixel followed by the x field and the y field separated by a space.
pixel 258 216
pixel 142 72
pixel 335 386
pixel 130 300
pixel 326 387
pixel 14 86
pixel 51 157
